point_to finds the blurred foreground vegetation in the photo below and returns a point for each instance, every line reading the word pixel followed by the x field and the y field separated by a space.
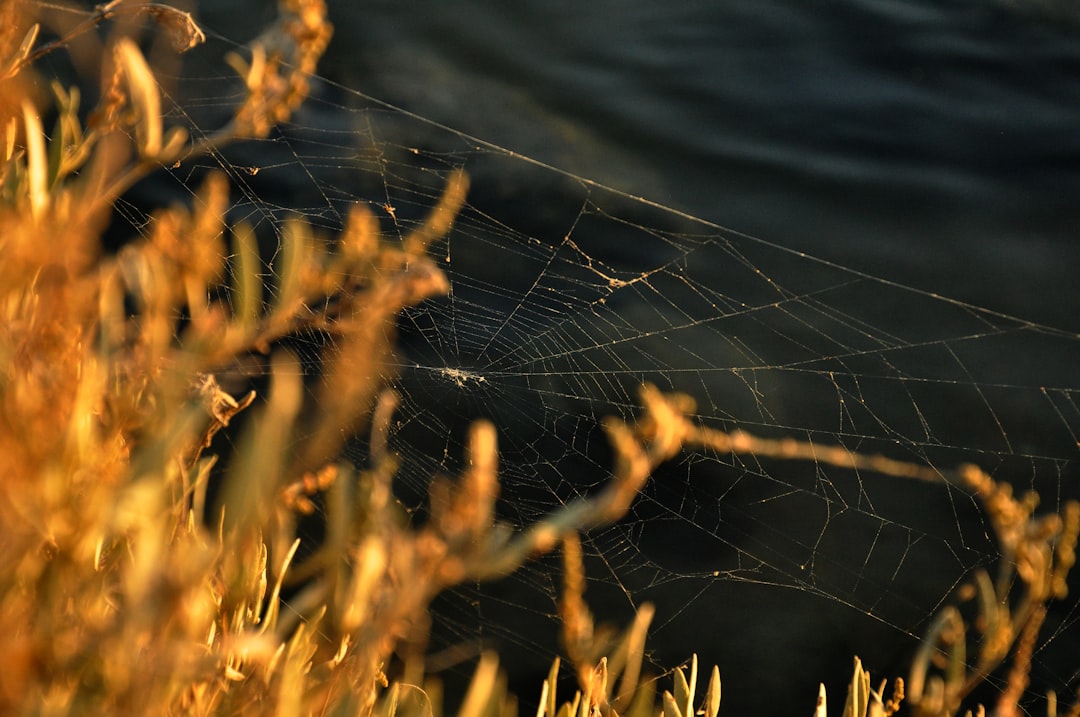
pixel 130 585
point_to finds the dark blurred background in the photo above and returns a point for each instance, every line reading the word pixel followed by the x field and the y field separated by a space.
pixel 935 143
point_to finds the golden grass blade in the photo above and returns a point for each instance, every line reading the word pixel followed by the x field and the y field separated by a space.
pixel 18 59
pixel 875 707
pixel 548 706
pixel 545 692
pixel 37 161
pixel 692 684
pixel 482 688
pixel 370 568
pixel 858 696
pixel 144 95
pixel 388 705
pixel 252 481
pixel 269 620
pixel 671 707
pixel 247 284
pixel 296 250
pixel 644 702
pixel 57 144
pixel 11 131
pixel 360 241
pixel 711 704
pixel 570 709
pixel 633 654
pixel 684 691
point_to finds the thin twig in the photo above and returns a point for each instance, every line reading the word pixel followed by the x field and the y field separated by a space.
pixel 186 33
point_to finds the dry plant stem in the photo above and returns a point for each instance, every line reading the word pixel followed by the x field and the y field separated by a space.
pixel 577 621
pixel 599 656
pixel 1038 551
pixel 740 442
pixel 664 429
pixel 662 432
pixel 434 557
pixel 359 312
pixel 635 459
pixel 603 508
pixel 365 341
pixel 221 407
pixel 1019 676
pixel 455 545
pixel 185 33
pixel 277 85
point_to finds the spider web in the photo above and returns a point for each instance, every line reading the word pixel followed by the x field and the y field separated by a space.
pixel 568 295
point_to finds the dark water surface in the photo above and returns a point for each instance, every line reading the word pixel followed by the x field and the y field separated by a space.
pixel 933 144
pixel 936 143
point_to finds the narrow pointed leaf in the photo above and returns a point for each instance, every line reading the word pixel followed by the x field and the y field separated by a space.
pixel 858 692
pixel 683 693
pixel 289 268
pixel 553 681
pixel 36 161
pixel 13 64
pixel 144 95
pixel 671 707
pixel 711 704
pixel 247 282
pixel 482 687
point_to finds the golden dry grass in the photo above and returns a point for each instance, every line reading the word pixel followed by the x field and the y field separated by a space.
pixel 125 590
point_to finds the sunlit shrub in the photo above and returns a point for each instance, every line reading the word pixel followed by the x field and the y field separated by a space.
pixel 127 587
